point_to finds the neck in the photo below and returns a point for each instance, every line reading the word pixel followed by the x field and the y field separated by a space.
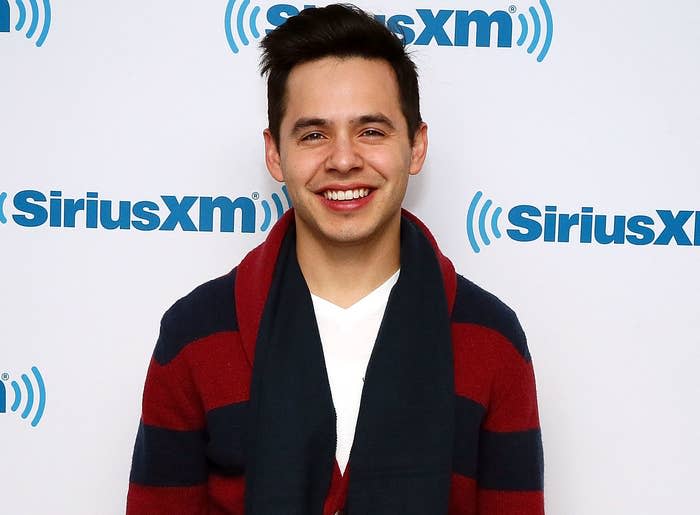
pixel 345 273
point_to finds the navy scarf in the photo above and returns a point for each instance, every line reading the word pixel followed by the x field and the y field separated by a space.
pixel 401 458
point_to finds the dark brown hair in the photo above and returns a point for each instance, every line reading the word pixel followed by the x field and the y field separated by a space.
pixel 338 30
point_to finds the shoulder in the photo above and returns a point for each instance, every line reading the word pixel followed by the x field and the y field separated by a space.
pixel 474 305
pixel 208 309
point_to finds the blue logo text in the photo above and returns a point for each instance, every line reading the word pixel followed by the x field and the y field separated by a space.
pixel 34 208
pixel 550 224
pixel 422 27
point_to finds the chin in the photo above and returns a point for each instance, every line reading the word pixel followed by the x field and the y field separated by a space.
pixel 347 237
pixel 354 233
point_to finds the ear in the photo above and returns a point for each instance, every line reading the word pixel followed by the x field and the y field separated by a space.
pixel 419 149
pixel 272 157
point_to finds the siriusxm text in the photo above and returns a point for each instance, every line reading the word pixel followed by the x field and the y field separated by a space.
pixel 187 213
pixel 667 227
pixel 444 27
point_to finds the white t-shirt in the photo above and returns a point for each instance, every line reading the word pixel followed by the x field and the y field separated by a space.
pixel 347 337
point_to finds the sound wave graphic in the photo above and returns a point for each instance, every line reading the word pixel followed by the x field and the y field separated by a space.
pixel 32 17
pixel 239 28
pixel 280 209
pixel 35 396
pixel 3 197
pixel 473 222
pixel 536 23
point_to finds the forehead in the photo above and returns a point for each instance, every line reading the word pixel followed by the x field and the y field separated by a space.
pixel 335 88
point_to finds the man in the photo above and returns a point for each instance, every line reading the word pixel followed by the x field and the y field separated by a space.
pixel 343 366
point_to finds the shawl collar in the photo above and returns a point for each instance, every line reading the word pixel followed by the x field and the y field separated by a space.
pixel 401 455
pixel 254 277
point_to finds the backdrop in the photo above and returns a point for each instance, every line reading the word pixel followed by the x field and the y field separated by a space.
pixel 562 176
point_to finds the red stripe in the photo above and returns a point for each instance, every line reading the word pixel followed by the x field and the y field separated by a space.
pixel 338 491
pixel 253 280
pixel 226 495
pixel 462 495
pixel 492 502
pixel 515 409
pixel 170 399
pixel 475 361
pixel 153 500
pixel 219 369
pixel 207 374
pixel 490 371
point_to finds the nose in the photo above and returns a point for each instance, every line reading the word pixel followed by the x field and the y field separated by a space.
pixel 344 156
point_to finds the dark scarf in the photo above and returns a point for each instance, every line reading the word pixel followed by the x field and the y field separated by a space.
pixel 401 458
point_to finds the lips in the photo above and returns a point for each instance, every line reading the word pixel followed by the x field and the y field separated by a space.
pixel 346 198
pixel 344 195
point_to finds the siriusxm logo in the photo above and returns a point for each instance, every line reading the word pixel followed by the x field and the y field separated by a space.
pixel 443 27
pixel 35 20
pixel 31 394
pixel 531 223
pixel 33 208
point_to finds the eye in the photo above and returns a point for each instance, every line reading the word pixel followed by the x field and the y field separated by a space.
pixel 312 136
pixel 372 133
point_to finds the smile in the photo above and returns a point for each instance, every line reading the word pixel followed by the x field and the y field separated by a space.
pixel 346 195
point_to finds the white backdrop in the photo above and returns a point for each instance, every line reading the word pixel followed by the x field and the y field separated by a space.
pixel 136 100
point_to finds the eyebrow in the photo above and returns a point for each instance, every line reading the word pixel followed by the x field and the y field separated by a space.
pixel 374 118
pixel 307 122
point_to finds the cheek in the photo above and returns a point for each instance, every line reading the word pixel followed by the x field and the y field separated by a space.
pixel 300 167
pixel 391 165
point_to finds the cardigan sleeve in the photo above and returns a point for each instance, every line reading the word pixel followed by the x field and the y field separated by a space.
pixel 511 464
pixel 189 453
pixel 169 468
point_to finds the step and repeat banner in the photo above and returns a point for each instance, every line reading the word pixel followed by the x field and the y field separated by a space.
pixel 563 175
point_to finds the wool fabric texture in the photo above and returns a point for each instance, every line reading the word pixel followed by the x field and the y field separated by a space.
pixel 401 457
pixel 191 454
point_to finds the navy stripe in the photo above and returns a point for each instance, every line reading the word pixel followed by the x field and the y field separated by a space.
pixel 468 417
pixel 511 461
pixel 473 305
pixel 164 457
pixel 208 309
pixel 226 427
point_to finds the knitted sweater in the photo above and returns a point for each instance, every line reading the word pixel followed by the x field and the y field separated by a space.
pixel 189 456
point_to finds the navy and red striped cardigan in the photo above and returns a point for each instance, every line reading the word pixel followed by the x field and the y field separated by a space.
pixel 189 457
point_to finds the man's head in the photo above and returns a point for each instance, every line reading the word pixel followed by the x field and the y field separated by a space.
pixel 334 31
pixel 345 130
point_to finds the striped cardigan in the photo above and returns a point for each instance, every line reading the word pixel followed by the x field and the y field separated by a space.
pixel 189 456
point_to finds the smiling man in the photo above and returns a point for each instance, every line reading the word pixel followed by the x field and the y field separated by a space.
pixel 343 366
pixel 345 151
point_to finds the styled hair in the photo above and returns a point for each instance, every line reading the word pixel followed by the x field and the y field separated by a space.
pixel 338 30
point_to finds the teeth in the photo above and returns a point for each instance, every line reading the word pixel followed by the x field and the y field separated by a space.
pixel 346 194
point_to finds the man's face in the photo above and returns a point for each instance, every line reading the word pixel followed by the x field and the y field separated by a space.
pixel 344 150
